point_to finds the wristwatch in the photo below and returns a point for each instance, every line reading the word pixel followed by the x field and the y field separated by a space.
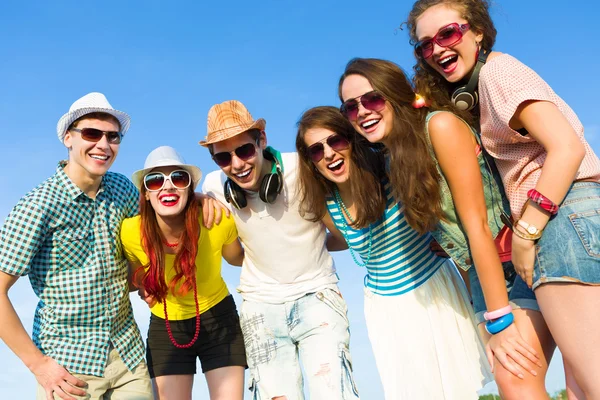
pixel 532 230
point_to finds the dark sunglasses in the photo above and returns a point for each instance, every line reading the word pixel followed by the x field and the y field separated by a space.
pixel 447 36
pixel 244 152
pixel 373 101
pixel 316 151
pixel 155 181
pixel 95 135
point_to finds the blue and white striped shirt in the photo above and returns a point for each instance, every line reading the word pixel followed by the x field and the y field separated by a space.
pixel 400 257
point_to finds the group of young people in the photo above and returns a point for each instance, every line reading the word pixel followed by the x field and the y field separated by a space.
pixel 469 195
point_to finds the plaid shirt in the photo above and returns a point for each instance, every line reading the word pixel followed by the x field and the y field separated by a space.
pixel 69 245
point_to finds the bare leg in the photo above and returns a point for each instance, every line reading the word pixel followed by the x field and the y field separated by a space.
pixel 573 390
pixel 571 312
pixel 226 383
pixel 533 329
pixel 173 387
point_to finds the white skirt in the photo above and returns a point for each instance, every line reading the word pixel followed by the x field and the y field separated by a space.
pixel 425 342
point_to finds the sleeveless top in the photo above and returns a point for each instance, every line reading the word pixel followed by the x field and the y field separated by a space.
pixel 450 233
pixel 400 259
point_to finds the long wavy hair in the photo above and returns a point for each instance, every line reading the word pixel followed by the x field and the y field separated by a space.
pixel 367 168
pixel 412 171
pixel 152 275
pixel 428 82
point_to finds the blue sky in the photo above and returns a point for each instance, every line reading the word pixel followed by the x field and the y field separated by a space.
pixel 166 63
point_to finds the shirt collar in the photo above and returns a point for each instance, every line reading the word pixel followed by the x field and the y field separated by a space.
pixel 71 188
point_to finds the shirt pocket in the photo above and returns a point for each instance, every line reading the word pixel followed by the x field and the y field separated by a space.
pixel 74 248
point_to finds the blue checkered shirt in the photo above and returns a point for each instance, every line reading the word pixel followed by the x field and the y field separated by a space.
pixel 69 245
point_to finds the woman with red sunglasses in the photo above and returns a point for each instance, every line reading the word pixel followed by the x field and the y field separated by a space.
pixel 550 173
pixel 176 264
pixel 420 323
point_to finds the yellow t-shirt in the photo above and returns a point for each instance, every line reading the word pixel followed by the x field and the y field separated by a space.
pixel 210 283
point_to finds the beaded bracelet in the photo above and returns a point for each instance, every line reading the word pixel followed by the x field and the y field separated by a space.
pixel 542 201
pixel 501 312
pixel 500 324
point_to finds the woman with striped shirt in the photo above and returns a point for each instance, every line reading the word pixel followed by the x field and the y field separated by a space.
pixel 420 323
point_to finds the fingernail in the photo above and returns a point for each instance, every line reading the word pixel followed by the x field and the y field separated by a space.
pixel 533 373
pixel 521 376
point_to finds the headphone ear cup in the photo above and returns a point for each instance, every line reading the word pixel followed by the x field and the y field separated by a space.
pixel 234 194
pixel 270 187
pixel 463 100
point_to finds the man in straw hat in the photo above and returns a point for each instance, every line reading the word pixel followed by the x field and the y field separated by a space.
pixel 64 234
pixel 292 307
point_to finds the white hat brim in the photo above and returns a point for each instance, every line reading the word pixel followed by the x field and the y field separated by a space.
pixel 66 120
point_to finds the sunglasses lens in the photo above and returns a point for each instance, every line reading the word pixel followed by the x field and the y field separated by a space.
pixel 246 151
pixel 113 137
pixel 350 109
pixel 222 159
pixel 448 36
pixel 180 179
pixel 316 152
pixel 424 49
pixel 337 142
pixel 373 101
pixel 154 181
pixel 91 134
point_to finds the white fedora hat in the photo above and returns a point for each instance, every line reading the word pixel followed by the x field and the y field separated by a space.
pixel 165 156
pixel 90 103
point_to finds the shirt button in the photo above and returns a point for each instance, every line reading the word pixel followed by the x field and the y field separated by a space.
pixel 450 245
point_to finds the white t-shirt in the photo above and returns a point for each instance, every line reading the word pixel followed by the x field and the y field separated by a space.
pixel 285 255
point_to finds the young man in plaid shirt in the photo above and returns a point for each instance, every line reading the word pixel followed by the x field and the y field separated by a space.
pixel 64 234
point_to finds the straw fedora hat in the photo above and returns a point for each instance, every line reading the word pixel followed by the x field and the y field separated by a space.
pixel 90 103
pixel 229 119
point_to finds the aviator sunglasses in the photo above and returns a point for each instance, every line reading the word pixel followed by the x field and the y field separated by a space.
pixel 244 152
pixel 155 181
pixel 95 135
pixel 373 101
pixel 316 151
pixel 447 36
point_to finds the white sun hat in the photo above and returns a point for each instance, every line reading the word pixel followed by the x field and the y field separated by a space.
pixel 165 156
pixel 90 103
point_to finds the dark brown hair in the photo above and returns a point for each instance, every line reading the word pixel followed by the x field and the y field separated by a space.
pixel 153 275
pixel 412 170
pixel 367 167
pixel 428 82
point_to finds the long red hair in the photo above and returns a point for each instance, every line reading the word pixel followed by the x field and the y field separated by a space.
pixel 152 275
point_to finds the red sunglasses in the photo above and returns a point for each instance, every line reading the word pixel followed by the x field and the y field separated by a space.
pixel 372 100
pixel 447 36
pixel 244 152
pixel 316 151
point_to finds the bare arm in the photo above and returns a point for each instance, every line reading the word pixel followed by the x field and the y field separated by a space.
pixel 454 147
pixel 233 253
pixel 335 240
pixel 54 378
pixel 549 127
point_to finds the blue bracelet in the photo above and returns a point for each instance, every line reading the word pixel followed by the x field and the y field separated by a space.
pixel 500 324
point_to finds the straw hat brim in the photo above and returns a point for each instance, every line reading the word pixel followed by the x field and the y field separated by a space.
pixel 228 133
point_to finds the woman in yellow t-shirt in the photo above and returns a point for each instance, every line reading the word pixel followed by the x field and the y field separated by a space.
pixel 177 266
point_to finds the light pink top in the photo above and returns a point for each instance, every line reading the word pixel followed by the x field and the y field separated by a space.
pixel 504 84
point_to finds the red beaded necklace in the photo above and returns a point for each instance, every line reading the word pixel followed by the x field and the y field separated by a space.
pixel 191 343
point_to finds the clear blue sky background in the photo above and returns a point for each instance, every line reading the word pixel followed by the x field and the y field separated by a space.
pixel 165 63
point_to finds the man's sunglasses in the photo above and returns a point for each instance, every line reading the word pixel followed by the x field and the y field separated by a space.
pixel 316 151
pixel 95 135
pixel 373 101
pixel 155 181
pixel 244 152
pixel 447 36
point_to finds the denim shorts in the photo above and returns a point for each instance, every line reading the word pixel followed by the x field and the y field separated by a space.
pixel 519 295
pixel 569 249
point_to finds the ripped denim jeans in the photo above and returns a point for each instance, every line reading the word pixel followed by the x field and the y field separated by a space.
pixel 312 330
